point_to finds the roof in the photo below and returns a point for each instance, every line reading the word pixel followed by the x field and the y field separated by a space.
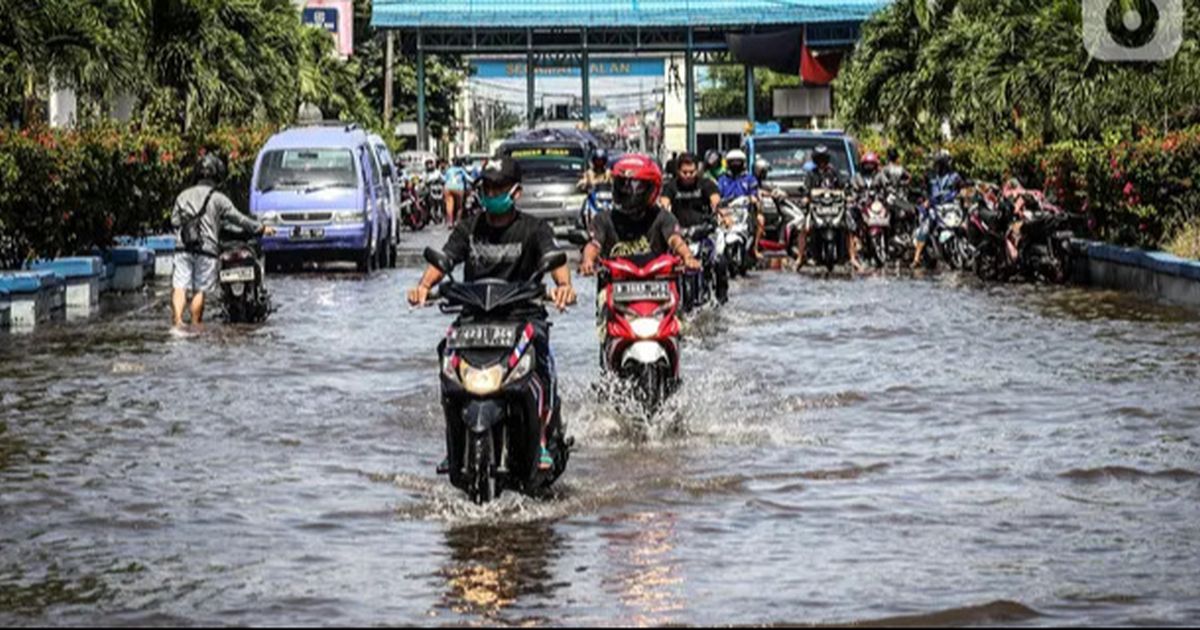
pixel 645 14
pixel 316 136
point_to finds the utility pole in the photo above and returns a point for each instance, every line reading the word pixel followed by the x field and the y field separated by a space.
pixel 387 80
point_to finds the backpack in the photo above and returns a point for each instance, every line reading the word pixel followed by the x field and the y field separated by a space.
pixel 190 233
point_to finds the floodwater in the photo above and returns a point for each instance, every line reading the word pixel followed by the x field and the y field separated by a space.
pixel 900 450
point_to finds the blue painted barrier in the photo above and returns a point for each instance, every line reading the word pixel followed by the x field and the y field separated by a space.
pixel 82 276
pixel 1153 273
pixel 131 267
pixel 31 296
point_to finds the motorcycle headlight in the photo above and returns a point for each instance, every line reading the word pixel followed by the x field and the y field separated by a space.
pixel 521 370
pixel 644 327
pixel 351 216
pixel 480 382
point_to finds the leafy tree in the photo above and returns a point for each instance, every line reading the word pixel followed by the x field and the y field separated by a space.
pixel 725 96
pixel 1008 69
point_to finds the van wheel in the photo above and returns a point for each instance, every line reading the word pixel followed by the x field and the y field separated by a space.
pixel 365 261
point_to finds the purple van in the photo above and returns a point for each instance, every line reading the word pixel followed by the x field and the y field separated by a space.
pixel 319 186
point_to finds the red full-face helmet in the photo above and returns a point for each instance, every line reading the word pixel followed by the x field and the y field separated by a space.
pixel 637 182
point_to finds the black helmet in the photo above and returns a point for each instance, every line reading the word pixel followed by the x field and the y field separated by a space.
pixel 942 158
pixel 820 155
pixel 893 154
pixel 210 168
pixel 600 155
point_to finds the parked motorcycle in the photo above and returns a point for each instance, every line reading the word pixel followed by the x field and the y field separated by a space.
pixel 640 300
pixel 244 296
pixel 1044 243
pixel 494 399
pixel 827 228
pixel 738 237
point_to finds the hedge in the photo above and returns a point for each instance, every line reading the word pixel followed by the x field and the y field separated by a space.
pixel 64 192
pixel 1142 192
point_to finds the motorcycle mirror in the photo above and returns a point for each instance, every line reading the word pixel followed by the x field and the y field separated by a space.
pixel 439 259
pixel 552 261
pixel 577 237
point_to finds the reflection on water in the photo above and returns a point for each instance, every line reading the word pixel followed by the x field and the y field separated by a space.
pixel 492 567
pixel 911 450
pixel 647 579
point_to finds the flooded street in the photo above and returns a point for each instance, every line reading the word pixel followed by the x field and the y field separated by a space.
pixel 929 449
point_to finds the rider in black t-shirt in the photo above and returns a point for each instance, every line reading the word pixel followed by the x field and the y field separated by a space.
pixel 505 244
pixel 691 198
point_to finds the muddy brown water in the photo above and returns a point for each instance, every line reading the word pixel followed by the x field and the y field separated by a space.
pixel 893 450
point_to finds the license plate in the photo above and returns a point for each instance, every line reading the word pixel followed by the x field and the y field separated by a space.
pixel 650 291
pixel 482 336
pixel 307 234
pixel 237 274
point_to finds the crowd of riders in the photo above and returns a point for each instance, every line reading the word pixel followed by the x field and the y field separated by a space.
pixel 669 244
pixel 886 215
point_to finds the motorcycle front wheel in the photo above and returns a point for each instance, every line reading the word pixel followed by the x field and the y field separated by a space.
pixel 881 250
pixel 652 388
pixel 481 482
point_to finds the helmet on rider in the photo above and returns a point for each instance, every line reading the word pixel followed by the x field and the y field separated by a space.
pixel 429 166
pixel 761 168
pixel 893 155
pixel 870 163
pixel 941 160
pixel 210 168
pixel 735 161
pixel 820 156
pixel 599 160
pixel 712 160
pixel 637 181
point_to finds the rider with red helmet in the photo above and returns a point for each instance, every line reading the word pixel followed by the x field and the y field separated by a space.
pixel 636 225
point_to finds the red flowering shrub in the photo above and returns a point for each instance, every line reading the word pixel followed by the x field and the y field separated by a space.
pixel 64 192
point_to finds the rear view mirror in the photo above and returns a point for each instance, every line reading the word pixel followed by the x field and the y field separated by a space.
pixel 439 260
pixel 577 237
pixel 552 261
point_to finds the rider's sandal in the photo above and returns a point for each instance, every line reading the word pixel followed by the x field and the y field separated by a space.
pixel 545 461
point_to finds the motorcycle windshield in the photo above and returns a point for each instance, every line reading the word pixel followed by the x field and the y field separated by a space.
pixel 493 297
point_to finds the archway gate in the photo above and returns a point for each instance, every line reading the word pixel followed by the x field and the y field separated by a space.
pixel 568 32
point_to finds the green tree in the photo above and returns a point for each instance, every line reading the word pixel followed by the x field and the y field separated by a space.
pixel 1008 69
pixel 724 95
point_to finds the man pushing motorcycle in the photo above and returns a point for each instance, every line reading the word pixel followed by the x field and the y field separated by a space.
pixel 505 244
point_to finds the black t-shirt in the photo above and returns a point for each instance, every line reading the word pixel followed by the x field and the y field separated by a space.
pixel 691 205
pixel 828 178
pixel 618 235
pixel 510 253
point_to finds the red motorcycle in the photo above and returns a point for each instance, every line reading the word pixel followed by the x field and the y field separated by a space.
pixel 640 302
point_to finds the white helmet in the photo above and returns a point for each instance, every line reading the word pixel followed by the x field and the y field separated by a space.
pixel 735 154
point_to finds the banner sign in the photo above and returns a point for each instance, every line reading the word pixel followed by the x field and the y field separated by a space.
pixel 600 67
pixel 336 17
